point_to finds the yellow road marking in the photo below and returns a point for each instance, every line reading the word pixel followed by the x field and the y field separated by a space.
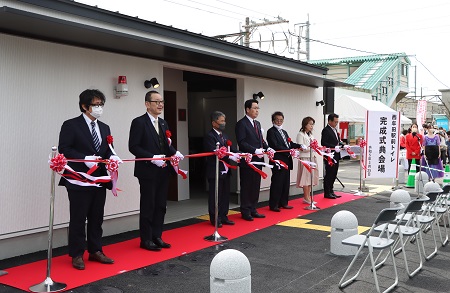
pixel 303 223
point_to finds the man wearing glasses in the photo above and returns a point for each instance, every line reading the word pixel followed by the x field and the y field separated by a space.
pixel 250 140
pixel 148 139
pixel 84 137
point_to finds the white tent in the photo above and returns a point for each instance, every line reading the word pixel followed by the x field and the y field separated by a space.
pixel 353 109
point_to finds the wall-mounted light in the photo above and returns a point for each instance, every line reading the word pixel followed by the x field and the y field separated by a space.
pixel 151 83
pixel 258 95
pixel 320 103
pixel 121 89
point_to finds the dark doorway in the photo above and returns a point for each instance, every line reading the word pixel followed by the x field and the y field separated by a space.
pixel 170 115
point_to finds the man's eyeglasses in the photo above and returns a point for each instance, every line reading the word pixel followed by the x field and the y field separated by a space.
pixel 158 102
pixel 97 105
pixel 255 108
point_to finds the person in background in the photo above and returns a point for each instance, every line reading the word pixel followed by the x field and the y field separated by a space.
pixel 214 136
pixel 85 137
pixel 413 143
pixel 279 140
pixel 403 139
pixel 304 137
pixel 431 162
pixel 443 145
pixel 448 146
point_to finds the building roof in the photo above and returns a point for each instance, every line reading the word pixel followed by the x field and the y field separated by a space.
pixel 72 23
pixel 372 68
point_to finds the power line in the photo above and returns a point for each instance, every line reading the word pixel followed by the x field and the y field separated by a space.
pixel 201 9
pixel 338 46
pixel 245 8
pixel 431 72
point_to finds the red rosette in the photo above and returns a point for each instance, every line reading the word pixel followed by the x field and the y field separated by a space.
pixel 112 166
pixel 168 133
pixel 229 143
pixel 110 139
pixel 58 163
pixel 248 157
pixel 362 143
pixel 289 140
pixel 221 152
pixel 293 153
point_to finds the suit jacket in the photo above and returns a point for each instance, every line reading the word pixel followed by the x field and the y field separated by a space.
pixel 276 141
pixel 249 139
pixel 76 142
pixel 330 140
pixel 209 144
pixel 412 144
pixel 144 142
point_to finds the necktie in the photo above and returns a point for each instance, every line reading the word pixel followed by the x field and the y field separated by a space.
pixel 155 124
pixel 221 139
pixel 256 128
pixel 95 137
pixel 284 137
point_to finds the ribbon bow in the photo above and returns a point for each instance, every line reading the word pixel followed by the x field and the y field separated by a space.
pixel 58 163
pixel 174 160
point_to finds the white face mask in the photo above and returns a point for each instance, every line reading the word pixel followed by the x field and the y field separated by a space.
pixel 97 112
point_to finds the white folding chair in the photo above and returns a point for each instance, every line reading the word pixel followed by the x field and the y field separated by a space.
pixel 382 241
pixel 406 229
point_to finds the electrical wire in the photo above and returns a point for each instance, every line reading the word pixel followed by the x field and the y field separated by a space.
pixel 431 73
pixel 212 12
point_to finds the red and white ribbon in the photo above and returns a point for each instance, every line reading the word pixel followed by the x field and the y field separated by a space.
pixel 308 165
pixel 113 169
pixel 110 141
pixel 175 160
pixel 270 154
pixel 362 144
pixel 349 151
pixel 248 159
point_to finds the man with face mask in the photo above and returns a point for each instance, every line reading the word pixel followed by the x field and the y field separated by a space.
pixel 85 137
pixel 214 136
pixel 278 139
pixel 413 142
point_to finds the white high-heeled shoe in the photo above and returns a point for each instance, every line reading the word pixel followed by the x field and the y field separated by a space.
pixel 307 202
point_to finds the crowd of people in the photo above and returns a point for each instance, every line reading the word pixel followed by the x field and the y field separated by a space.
pixel 85 139
pixel 429 147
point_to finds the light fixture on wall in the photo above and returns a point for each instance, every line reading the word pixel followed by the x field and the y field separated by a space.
pixel 121 89
pixel 320 103
pixel 151 83
pixel 258 95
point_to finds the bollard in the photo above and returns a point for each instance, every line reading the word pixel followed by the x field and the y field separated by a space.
pixel 400 197
pixel 419 182
pixel 431 186
pixel 401 175
pixel 343 225
pixel 230 272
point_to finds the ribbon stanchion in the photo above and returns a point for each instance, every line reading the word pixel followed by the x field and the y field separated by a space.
pixel 362 188
pixel 48 285
pixel 3 273
pixel 311 206
pixel 216 237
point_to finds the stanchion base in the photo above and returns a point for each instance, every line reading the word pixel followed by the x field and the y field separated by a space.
pixel 3 273
pixel 359 193
pixel 312 208
pixel 48 286
pixel 215 238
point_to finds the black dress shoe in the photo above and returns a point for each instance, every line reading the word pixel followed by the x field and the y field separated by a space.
pixel 287 207
pixel 275 209
pixel 78 263
pixel 329 196
pixel 219 225
pixel 160 243
pixel 258 215
pixel 227 222
pixel 247 217
pixel 335 195
pixel 149 245
pixel 100 257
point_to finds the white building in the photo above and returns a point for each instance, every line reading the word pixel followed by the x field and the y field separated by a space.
pixel 50 51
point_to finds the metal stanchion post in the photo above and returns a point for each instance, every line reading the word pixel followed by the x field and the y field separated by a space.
pixel 362 182
pixel 311 206
pixel 48 285
pixel 215 237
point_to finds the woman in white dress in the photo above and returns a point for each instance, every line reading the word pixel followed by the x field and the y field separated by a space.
pixel 303 176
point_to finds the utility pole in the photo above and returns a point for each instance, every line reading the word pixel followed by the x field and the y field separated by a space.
pixel 248 27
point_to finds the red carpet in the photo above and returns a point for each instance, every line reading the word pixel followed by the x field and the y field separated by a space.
pixel 128 256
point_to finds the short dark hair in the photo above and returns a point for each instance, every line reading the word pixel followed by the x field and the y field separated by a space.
pixel 216 115
pixel 332 116
pixel 248 104
pixel 404 131
pixel 277 113
pixel 148 96
pixel 87 96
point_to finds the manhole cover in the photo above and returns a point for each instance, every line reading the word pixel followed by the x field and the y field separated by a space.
pixel 96 289
pixel 238 245
pixel 163 269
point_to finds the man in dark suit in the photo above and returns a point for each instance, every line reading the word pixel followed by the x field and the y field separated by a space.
pixel 277 139
pixel 330 139
pixel 250 140
pixel 214 136
pixel 148 139
pixel 84 137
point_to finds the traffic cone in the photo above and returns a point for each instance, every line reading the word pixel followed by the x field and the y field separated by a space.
pixel 446 180
pixel 412 175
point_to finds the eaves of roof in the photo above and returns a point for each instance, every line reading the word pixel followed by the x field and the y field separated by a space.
pixel 216 54
pixel 360 59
